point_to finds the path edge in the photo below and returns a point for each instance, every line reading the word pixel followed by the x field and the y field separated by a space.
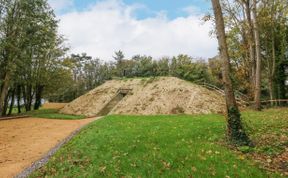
pixel 44 159
pixel 13 117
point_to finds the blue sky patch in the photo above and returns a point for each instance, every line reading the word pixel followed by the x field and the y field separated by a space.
pixel 151 8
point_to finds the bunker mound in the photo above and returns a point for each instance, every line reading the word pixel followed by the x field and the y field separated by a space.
pixel 53 105
pixel 150 96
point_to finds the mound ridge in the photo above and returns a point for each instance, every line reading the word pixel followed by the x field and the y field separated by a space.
pixel 150 96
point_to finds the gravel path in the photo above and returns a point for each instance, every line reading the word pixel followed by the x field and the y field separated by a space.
pixel 38 164
pixel 27 144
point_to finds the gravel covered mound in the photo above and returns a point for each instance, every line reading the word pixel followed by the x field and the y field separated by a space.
pixel 150 96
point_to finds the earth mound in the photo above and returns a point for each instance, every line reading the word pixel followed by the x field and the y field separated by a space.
pixel 148 96
pixel 53 105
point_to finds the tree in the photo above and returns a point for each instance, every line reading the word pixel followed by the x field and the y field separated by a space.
pixel 30 50
pixel 119 57
pixel 80 73
pixel 9 38
pixel 162 67
pixel 251 40
pixel 236 131
pixel 41 48
pixel 257 97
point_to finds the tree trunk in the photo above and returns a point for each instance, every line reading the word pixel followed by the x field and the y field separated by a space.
pixel 271 70
pixel 235 129
pixel 271 90
pixel 24 96
pixel 38 96
pixel 4 92
pixel 18 93
pixel 281 84
pixel 257 95
pixel 29 97
pixel 251 43
pixel 6 103
pixel 12 101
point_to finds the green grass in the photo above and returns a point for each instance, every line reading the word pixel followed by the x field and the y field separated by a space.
pixel 268 129
pixel 47 114
pixel 153 146
pixel 52 114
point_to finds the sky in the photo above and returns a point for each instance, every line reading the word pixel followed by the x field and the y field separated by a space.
pixel 158 28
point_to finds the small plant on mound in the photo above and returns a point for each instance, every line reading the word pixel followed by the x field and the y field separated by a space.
pixel 177 110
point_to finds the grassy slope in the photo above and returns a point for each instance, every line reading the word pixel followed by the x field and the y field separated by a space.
pixel 52 114
pixel 153 146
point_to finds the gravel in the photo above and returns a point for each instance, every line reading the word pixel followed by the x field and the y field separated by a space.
pixel 44 160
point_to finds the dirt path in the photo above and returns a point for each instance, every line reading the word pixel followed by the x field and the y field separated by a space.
pixel 23 141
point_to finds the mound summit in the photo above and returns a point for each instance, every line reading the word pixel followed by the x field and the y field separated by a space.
pixel 148 96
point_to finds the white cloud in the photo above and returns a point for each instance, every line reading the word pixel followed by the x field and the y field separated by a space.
pixel 110 25
pixel 192 10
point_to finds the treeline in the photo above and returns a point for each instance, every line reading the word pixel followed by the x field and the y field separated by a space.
pixel 30 54
pixel 87 73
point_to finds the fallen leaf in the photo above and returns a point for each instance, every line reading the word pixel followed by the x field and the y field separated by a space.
pixel 102 169
pixel 194 169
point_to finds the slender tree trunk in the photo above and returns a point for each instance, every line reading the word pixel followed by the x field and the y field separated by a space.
pixel 257 95
pixel 29 97
pixel 251 43
pixel 4 92
pixel 272 70
pixel 24 96
pixel 270 88
pixel 18 93
pixel 6 103
pixel 281 83
pixel 12 101
pixel 235 129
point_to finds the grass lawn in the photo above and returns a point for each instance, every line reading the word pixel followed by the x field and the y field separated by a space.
pixel 268 129
pixel 52 114
pixel 167 146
